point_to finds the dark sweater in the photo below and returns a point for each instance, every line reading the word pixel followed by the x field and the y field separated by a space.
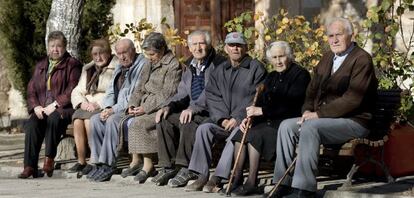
pixel 348 93
pixel 284 93
pixel 230 90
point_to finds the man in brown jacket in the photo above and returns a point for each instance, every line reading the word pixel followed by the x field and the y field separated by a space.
pixel 337 108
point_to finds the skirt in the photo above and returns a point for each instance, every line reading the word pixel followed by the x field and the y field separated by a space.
pixel 82 114
pixel 262 136
pixel 142 135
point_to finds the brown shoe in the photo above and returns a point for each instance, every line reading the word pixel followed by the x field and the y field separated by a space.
pixel 28 172
pixel 213 185
pixel 198 184
pixel 48 166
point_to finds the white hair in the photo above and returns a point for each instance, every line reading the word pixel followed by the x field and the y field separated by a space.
pixel 282 45
pixel 126 40
pixel 206 34
pixel 345 22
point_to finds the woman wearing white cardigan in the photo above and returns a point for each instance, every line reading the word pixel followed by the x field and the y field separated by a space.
pixel 88 95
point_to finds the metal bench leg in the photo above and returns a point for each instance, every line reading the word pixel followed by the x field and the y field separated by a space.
pixel 349 176
pixel 355 167
pixel 384 168
pixel 387 174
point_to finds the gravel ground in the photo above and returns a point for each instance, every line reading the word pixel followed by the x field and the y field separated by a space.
pixel 67 185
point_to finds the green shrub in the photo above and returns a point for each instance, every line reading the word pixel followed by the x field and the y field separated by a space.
pixel 36 13
pixel 142 28
pixel 95 21
pixel 382 25
pixel 23 29
pixel 16 41
pixel 307 39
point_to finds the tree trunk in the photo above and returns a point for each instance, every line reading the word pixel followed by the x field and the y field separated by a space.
pixel 65 16
pixel 66 149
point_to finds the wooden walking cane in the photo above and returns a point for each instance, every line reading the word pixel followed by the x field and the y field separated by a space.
pixel 288 170
pixel 291 166
pixel 259 89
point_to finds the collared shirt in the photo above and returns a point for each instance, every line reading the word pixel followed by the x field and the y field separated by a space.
pixel 199 67
pixel 338 59
pixel 198 80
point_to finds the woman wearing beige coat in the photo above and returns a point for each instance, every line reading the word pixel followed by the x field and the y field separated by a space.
pixel 158 81
pixel 88 95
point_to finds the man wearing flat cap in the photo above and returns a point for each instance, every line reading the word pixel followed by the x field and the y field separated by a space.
pixel 230 90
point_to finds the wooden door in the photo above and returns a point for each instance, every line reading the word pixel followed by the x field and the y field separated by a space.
pixel 207 15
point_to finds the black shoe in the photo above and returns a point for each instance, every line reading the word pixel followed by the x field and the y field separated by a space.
pixel 76 168
pixel 142 176
pixel 100 171
pixel 85 171
pixel 245 190
pixel 181 178
pixel 298 193
pixel 105 175
pixel 131 171
pixel 280 192
pixel 234 186
pixel 164 175
pixel 157 176
pixel 88 168
pixel 92 173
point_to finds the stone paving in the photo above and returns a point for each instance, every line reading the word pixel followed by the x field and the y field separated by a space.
pixel 63 184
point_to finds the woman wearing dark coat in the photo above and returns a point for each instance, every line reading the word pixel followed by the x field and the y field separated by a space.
pixel 282 97
pixel 49 104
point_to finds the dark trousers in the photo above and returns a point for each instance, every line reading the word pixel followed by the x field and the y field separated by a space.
pixel 49 128
pixel 176 140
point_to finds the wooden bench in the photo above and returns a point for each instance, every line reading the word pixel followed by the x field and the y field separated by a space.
pixel 386 106
pixel 363 149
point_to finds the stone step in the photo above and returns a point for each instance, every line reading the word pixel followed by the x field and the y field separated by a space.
pixel 10 147
pixel 11 144
pixel 6 138
pixel 12 153
pixel 14 157
pixel 348 194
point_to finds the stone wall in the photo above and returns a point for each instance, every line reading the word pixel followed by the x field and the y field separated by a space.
pixel 353 9
pixel 12 104
pixel 407 23
pixel 131 11
pixel 4 88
